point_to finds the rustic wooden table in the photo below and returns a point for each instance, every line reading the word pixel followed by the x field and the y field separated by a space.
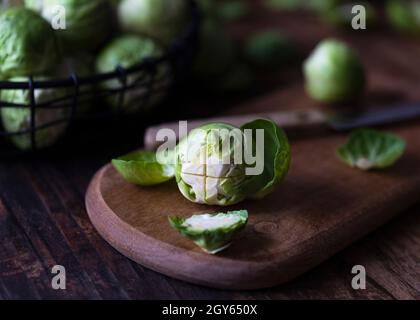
pixel 43 221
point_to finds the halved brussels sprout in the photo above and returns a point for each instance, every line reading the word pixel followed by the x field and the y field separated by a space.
pixel 88 24
pixel 128 51
pixel 142 168
pixel 162 20
pixel 210 170
pixel 19 119
pixel 370 149
pixel 211 232
pixel 269 49
pixel 28 44
pixel 334 73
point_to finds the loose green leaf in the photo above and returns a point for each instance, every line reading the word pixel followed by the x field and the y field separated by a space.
pixel 276 158
pixel 370 149
pixel 142 168
pixel 211 232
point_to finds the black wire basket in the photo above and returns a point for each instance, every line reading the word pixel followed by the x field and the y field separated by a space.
pixel 150 82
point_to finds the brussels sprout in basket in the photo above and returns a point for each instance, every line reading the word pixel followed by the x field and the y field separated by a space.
pixel 50 123
pixel 127 51
pixel 161 20
pixel 83 19
pixel 28 44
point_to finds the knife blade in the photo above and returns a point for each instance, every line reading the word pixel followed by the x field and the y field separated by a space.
pixel 302 119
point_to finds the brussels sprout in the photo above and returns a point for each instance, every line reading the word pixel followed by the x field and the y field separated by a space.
pixel 334 73
pixel 404 15
pixel 142 168
pixel 341 14
pixel 269 50
pixel 208 170
pixel 88 24
pixel 28 45
pixel 211 232
pixel 162 20
pixel 217 51
pixel 128 51
pixel 370 149
pixel 233 10
pixel 19 119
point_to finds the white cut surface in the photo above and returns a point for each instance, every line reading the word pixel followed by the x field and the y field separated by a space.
pixel 197 183
pixel 364 164
pixel 211 222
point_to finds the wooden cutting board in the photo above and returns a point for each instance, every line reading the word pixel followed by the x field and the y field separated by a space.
pixel 322 207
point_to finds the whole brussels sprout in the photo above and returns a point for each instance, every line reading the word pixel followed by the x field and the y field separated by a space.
pixel 19 119
pixel 128 51
pixel 216 52
pixel 208 171
pixel 404 15
pixel 161 20
pixel 89 24
pixel 334 73
pixel 28 45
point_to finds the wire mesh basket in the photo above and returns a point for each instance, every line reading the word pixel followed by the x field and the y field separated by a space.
pixel 145 85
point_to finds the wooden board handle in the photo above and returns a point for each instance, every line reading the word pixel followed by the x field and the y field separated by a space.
pixel 288 120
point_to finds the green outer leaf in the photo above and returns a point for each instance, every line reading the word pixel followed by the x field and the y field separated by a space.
pixel 276 158
pixel 211 240
pixel 380 150
pixel 142 168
